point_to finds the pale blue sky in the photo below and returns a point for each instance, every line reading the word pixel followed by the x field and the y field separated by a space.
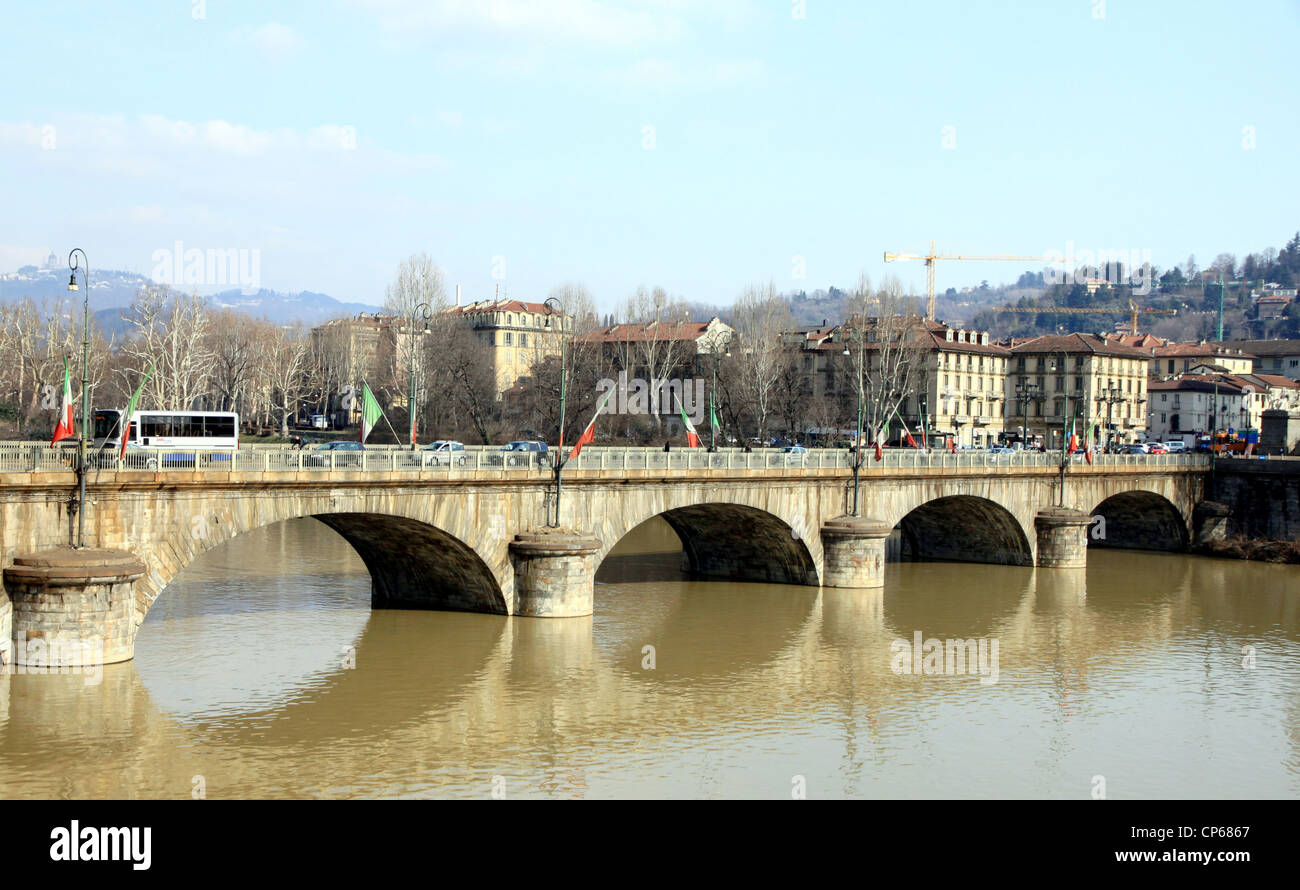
pixel 512 136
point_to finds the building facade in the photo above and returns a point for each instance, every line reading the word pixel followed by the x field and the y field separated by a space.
pixel 1085 378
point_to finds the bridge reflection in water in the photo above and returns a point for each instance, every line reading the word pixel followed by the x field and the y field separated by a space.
pixel 263 671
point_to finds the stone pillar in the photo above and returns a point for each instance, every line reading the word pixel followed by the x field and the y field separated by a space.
pixel 73 607
pixel 555 573
pixel 854 552
pixel 1210 522
pixel 1062 538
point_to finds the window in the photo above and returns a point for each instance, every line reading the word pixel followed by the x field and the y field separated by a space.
pixel 523 339
pixel 509 338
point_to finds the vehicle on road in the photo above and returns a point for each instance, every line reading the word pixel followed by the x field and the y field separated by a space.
pixel 1001 449
pixel 1176 446
pixel 520 452
pixel 1133 449
pixel 343 454
pixel 444 453
pixel 1156 448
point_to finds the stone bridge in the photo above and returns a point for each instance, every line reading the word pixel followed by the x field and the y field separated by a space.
pixel 478 540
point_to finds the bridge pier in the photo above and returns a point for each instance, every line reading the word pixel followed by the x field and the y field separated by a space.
pixel 1062 538
pixel 555 573
pixel 73 608
pixel 854 552
pixel 1210 522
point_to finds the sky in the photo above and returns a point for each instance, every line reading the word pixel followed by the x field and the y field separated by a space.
pixel 698 146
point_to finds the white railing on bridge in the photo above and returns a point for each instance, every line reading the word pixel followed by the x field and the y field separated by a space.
pixel 40 459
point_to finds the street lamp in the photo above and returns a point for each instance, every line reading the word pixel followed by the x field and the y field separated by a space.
pixel 857 455
pixel 1062 370
pixel 424 312
pixel 554 305
pixel 723 342
pixel 1024 392
pixel 1114 396
pixel 73 265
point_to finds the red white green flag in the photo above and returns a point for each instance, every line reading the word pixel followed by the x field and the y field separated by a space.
pixel 589 434
pixel 692 437
pixel 66 428
pixel 125 424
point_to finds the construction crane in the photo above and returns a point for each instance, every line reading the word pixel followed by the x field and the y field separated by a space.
pixel 1134 311
pixel 931 257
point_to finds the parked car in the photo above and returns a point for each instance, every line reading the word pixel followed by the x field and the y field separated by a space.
pixel 444 453
pixel 1176 446
pixel 344 454
pixel 526 445
pixel 520 451
pixel 1157 448
pixel 1134 449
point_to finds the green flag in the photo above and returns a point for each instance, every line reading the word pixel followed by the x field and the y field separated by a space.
pixel 370 411
pixel 125 423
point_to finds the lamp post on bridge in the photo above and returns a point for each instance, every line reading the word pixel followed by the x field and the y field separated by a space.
pixel 554 305
pixel 1062 372
pixel 1024 392
pixel 1114 396
pixel 73 265
pixel 857 454
pixel 421 311
pixel 723 342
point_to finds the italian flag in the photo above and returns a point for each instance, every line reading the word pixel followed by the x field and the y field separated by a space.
pixel 1087 443
pixel 125 425
pixel 692 437
pixel 1074 437
pixel 66 428
pixel 589 434
pixel 370 411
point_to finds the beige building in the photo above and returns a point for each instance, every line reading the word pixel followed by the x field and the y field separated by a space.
pixel 520 335
pixel 960 391
pixel 1054 377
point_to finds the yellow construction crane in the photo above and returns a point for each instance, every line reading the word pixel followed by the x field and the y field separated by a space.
pixel 931 257
pixel 1133 308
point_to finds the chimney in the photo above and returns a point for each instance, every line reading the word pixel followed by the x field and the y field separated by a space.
pixel 458 296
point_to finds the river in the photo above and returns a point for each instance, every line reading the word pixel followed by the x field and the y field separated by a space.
pixel 263 672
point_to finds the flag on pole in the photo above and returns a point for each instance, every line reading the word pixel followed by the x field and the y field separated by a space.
pixel 66 428
pixel 589 434
pixel 692 437
pixel 909 441
pixel 370 411
pixel 125 423
pixel 1074 437
pixel 1087 443
pixel 879 453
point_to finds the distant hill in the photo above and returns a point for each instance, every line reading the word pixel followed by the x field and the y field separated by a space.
pixel 111 291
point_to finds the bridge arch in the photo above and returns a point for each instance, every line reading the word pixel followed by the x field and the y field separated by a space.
pixel 963 528
pixel 1138 520
pixel 724 539
pixel 413 562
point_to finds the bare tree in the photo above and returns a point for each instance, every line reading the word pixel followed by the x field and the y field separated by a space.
pixel 888 328
pixel 761 319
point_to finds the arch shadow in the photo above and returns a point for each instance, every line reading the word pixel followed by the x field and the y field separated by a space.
pixel 1139 520
pixel 740 543
pixel 414 565
pixel 963 528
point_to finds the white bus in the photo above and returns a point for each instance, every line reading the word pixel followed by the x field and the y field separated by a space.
pixel 205 430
